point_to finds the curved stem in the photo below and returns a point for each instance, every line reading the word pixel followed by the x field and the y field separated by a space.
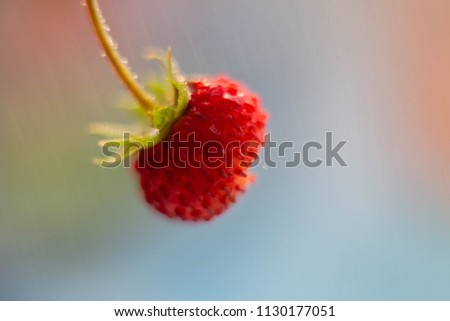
pixel 124 73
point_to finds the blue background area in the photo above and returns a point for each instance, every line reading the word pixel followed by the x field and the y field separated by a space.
pixel 378 229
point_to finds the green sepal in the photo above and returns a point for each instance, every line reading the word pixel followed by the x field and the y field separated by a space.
pixel 178 83
pixel 129 139
pixel 182 96
pixel 134 110
pixel 160 91
pixel 162 117
pixel 124 150
pixel 113 130
pixel 171 98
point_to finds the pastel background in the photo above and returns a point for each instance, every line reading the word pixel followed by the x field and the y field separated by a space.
pixel 375 73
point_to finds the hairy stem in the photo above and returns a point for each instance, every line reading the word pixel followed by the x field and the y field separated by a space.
pixel 124 73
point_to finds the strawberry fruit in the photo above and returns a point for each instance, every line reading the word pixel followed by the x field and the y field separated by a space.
pixel 196 141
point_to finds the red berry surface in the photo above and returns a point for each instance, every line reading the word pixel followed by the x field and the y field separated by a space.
pixel 201 167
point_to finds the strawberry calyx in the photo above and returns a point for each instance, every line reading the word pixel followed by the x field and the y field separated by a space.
pixel 160 103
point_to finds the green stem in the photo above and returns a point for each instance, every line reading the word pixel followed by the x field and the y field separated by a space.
pixel 124 73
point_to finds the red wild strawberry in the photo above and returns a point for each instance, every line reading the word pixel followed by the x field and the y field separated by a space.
pixel 197 141
pixel 219 111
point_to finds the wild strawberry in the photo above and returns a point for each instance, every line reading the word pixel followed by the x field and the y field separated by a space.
pixel 227 116
pixel 198 139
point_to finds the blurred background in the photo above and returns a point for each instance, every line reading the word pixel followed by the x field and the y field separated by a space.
pixel 375 73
